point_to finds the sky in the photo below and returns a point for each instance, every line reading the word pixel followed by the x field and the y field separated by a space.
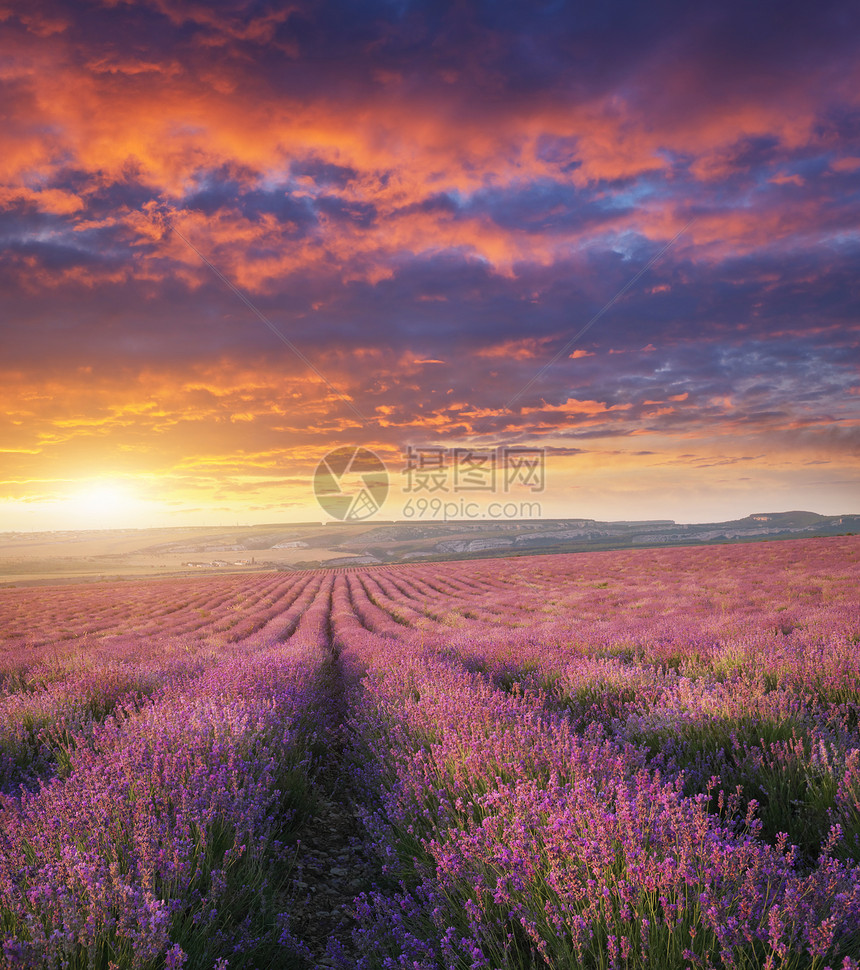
pixel 238 235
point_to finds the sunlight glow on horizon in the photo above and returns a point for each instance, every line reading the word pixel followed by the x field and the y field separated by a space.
pixel 103 500
pixel 576 487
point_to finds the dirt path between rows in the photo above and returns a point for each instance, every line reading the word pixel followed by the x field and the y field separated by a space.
pixel 334 862
pixel 332 869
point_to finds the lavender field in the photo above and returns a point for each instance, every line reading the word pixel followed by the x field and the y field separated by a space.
pixel 608 760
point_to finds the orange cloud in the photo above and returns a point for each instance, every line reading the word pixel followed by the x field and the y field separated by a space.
pixel 55 201
pixel 847 164
pixel 528 348
pixel 162 122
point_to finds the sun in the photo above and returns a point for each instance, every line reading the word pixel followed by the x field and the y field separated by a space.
pixel 103 503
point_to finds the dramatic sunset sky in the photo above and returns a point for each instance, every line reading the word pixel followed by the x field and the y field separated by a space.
pixel 428 201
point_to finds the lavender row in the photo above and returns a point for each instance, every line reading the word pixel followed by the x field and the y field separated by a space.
pixel 39 623
pixel 775 712
pixel 517 840
pixel 161 844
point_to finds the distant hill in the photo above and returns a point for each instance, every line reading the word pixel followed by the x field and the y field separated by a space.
pixel 116 554
pixel 796 520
